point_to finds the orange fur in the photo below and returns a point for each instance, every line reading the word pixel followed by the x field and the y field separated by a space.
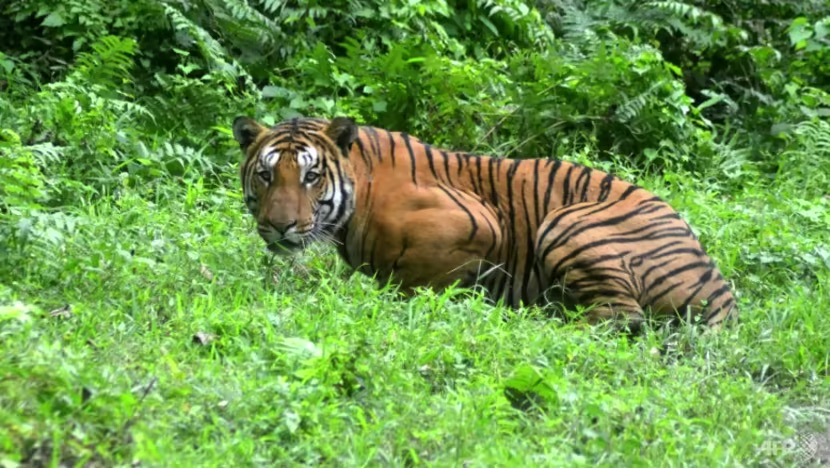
pixel 530 231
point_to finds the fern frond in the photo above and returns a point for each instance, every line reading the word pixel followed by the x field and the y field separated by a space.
pixel 244 20
pixel 814 136
pixel 210 48
pixel 532 28
pixel 633 108
pixel 109 64
pixel 46 154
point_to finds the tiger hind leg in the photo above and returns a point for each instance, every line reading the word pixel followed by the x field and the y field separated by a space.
pixel 602 303
pixel 627 256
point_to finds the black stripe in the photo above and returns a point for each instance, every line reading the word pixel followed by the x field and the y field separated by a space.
pixel 411 153
pixel 344 195
pixel 717 294
pixel 537 215
pixel 563 212
pixel 446 163
pixel 594 262
pixel 529 253
pixel 579 227
pixel 689 298
pixel 511 220
pixel 404 246
pixel 428 152
pixel 675 272
pixel 595 296
pixel 605 187
pixel 362 149
pixel 504 278
pixel 465 209
pixel 590 245
pixel 631 189
pixel 654 267
pixel 585 177
pixel 654 199
pixel 656 298
pixel 726 308
pixel 511 208
pixel 706 277
pixel 600 279
pixel 493 237
pixel 494 196
pixel 551 180
pixel 478 176
pixel 375 141
pixel 391 146
pixel 638 260
pixel 567 197
pixel 476 188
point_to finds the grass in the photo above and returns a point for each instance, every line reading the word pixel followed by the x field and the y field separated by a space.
pixel 148 326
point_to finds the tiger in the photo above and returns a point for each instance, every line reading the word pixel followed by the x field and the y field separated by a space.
pixel 543 232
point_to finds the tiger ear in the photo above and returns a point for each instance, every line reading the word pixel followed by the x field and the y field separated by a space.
pixel 245 131
pixel 343 132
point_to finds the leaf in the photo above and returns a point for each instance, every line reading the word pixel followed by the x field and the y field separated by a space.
pixel 64 312
pixel 16 311
pixel 273 91
pixel 799 33
pixel 202 338
pixel 297 103
pixel 292 420
pixel 205 271
pixel 527 387
pixel 300 347
pixel 7 65
pixel 822 28
pixel 379 105
pixel 54 20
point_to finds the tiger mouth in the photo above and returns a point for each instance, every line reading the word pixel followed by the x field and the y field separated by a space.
pixel 284 247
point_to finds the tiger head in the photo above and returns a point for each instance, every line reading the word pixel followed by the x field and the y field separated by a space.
pixel 297 179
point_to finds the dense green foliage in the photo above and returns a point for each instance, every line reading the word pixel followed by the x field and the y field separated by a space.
pixel 173 338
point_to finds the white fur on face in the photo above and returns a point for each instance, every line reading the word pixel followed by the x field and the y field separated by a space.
pixel 269 157
pixel 306 160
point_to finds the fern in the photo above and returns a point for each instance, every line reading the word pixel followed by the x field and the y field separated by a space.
pixel 46 154
pixel 532 29
pixel 703 28
pixel 272 6
pixel 814 135
pixel 210 48
pixel 700 27
pixel 109 64
pixel 21 183
pixel 247 22
pixel 807 160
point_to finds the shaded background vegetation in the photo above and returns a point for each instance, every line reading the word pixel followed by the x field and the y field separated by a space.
pixel 725 82
pixel 118 175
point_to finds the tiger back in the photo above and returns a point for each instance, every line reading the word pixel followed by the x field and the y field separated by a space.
pixel 528 231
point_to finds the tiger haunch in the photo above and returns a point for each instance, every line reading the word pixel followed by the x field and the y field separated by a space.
pixel 531 231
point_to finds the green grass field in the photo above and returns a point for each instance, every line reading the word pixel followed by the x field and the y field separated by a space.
pixel 150 326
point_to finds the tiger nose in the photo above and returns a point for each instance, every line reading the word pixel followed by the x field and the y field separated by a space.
pixel 282 228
